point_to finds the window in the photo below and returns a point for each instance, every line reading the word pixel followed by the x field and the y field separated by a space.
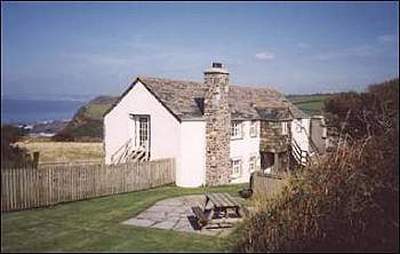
pixel 143 130
pixel 236 167
pixel 253 129
pixel 284 128
pixel 236 129
pixel 324 132
pixel 252 164
pixel 298 127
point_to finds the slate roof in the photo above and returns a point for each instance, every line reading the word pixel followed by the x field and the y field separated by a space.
pixel 184 99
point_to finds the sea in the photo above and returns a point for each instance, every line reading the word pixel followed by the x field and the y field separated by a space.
pixel 28 111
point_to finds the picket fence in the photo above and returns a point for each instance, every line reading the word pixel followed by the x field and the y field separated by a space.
pixel 26 188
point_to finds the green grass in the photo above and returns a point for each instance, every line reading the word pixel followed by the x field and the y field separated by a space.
pixel 310 104
pixel 96 111
pixel 95 225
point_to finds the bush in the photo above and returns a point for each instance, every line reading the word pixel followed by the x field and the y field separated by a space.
pixel 347 203
pixel 365 114
pixel 11 155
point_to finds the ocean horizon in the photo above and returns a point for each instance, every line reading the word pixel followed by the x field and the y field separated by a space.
pixel 25 111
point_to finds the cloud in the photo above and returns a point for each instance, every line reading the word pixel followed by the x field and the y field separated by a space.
pixel 265 56
pixel 303 45
pixel 387 38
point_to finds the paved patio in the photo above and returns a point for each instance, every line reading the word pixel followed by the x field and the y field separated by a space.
pixel 176 214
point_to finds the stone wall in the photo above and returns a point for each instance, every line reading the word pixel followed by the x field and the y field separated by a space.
pixel 272 141
pixel 218 128
pixel 271 138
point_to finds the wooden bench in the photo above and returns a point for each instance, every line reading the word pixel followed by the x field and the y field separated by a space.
pixel 202 219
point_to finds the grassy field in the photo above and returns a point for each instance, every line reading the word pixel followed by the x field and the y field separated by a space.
pixel 310 104
pixel 65 151
pixel 95 225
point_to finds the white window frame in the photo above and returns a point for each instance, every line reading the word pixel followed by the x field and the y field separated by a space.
pixel 284 128
pixel 324 132
pixel 253 129
pixel 298 127
pixel 250 163
pixel 236 129
pixel 144 130
pixel 239 165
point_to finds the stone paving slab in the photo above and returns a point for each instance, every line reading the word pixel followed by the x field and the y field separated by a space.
pixel 176 214
pixel 139 222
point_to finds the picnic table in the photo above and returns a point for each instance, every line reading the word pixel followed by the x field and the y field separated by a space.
pixel 223 207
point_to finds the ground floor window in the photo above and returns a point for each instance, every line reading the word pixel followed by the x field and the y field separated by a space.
pixel 236 167
pixel 252 164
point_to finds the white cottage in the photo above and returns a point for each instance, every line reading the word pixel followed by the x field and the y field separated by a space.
pixel 217 133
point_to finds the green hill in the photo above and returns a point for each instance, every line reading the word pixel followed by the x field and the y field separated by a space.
pixel 87 123
pixel 312 104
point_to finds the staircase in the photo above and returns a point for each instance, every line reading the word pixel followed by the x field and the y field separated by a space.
pixel 128 153
pixel 301 157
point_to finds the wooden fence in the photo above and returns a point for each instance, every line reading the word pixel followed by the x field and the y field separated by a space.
pixel 52 184
pixel 266 185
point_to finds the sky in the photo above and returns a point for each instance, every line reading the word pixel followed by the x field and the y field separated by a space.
pixel 99 48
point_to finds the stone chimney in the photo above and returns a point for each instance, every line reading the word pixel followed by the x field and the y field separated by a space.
pixel 218 125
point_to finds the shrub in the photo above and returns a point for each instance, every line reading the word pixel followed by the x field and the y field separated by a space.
pixel 347 203
pixel 365 114
pixel 11 155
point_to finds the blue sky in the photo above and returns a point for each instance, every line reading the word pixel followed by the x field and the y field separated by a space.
pixel 99 48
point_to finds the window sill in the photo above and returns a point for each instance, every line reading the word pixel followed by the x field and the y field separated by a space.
pixel 236 138
pixel 234 176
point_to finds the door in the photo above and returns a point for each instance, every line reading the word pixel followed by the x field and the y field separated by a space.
pixel 144 131
pixel 140 131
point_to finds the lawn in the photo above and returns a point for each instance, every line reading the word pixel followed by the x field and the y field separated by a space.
pixel 310 104
pixel 94 225
pixel 65 151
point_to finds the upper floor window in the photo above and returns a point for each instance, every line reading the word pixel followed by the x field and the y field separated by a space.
pixel 236 167
pixel 253 129
pixel 298 128
pixel 284 128
pixel 236 131
pixel 143 131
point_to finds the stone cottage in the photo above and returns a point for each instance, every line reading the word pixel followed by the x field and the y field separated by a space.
pixel 218 133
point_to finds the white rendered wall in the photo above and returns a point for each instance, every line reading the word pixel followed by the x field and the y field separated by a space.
pixel 191 172
pixel 245 148
pixel 300 129
pixel 164 127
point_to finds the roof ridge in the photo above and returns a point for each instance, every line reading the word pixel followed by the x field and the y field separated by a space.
pixel 199 82
pixel 166 79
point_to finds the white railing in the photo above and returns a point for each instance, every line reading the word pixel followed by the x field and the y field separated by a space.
pixel 301 156
pixel 129 153
pixel 117 156
pixel 140 153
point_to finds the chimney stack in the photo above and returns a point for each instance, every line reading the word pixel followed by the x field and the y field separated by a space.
pixel 218 125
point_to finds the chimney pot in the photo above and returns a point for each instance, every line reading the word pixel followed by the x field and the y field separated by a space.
pixel 217 65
